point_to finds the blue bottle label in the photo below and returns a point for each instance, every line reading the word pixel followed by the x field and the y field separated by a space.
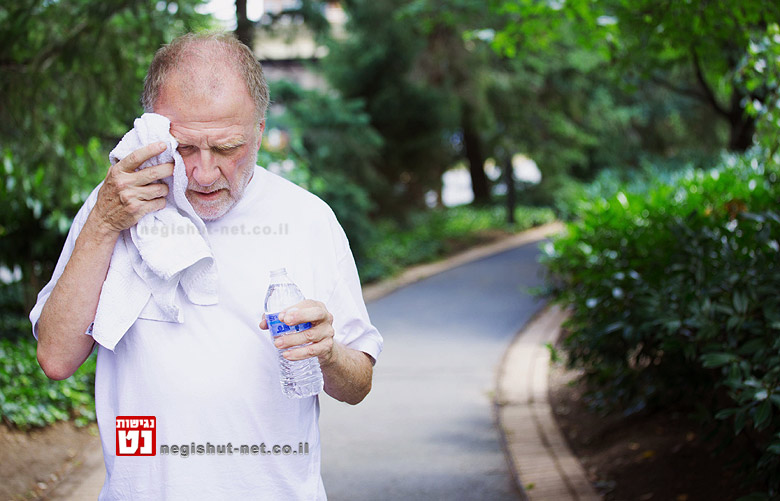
pixel 279 328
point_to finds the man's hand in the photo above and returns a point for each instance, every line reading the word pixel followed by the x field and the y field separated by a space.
pixel 128 195
pixel 347 373
pixel 320 335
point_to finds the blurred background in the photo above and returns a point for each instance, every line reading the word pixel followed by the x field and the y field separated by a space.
pixel 650 126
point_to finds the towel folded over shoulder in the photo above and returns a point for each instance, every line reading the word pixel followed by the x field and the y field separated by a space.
pixel 164 250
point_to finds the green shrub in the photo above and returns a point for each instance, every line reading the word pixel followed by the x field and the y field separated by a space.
pixel 28 398
pixel 13 312
pixel 675 297
pixel 571 193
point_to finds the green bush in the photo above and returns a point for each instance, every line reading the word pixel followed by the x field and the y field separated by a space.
pixel 28 398
pixel 13 312
pixel 569 193
pixel 674 298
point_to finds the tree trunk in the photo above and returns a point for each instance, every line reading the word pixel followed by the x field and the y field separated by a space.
pixel 509 179
pixel 742 126
pixel 245 29
pixel 741 134
pixel 475 157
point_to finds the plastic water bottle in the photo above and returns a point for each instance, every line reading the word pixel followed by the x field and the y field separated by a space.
pixel 299 378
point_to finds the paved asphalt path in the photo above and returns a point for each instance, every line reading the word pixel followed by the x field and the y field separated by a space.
pixel 426 431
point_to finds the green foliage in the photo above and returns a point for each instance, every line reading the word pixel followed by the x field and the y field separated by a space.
pixel 29 399
pixel 677 282
pixel 567 86
pixel 572 197
pixel 555 357
pixel 760 73
pixel 556 101
pixel 71 73
pixel 691 49
pixel 376 64
pixel 560 97
pixel 13 320
pixel 335 152
pixel 432 234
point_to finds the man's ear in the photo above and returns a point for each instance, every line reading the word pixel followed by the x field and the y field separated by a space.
pixel 261 128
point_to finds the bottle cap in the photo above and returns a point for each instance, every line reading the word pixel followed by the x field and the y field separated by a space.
pixel 278 272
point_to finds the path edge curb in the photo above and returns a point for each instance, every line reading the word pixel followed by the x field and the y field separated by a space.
pixel 540 460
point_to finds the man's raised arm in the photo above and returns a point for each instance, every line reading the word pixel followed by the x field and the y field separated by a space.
pixel 125 197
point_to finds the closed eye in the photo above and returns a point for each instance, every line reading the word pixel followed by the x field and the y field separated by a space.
pixel 226 149
pixel 184 149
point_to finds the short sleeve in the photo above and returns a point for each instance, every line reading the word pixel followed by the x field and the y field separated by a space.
pixel 67 250
pixel 350 316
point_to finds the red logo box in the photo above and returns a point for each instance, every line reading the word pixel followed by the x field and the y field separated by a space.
pixel 136 435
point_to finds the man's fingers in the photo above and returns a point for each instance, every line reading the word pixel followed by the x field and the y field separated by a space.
pixel 290 340
pixel 311 350
pixel 153 191
pixel 155 173
pixel 317 335
pixel 134 160
pixel 305 311
pixel 316 341
pixel 155 205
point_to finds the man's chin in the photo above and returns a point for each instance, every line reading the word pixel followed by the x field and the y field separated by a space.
pixel 210 211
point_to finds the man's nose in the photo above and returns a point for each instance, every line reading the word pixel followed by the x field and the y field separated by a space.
pixel 206 170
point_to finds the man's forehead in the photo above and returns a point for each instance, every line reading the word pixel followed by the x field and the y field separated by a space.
pixel 203 80
pixel 211 136
pixel 192 88
pixel 195 113
pixel 197 76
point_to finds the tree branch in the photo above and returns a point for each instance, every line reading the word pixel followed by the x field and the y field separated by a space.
pixel 54 48
pixel 685 91
pixel 709 95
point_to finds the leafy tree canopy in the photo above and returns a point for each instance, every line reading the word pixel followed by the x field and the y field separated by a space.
pixel 694 49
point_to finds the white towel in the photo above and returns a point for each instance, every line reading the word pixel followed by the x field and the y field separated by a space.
pixel 167 248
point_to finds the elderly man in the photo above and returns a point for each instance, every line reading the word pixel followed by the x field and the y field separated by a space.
pixel 223 429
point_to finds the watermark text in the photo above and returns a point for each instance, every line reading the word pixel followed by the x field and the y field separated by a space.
pixel 164 231
pixel 209 449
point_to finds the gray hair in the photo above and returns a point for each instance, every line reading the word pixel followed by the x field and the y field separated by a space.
pixel 170 57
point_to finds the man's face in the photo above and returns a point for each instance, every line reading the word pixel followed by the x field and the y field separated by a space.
pixel 213 119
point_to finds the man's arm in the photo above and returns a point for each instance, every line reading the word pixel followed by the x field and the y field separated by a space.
pixel 71 307
pixel 124 198
pixel 347 373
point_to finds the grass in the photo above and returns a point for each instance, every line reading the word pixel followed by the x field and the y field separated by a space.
pixel 431 235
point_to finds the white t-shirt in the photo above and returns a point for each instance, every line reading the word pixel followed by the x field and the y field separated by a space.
pixel 212 383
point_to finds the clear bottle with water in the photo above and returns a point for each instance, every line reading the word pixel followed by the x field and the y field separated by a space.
pixel 299 378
